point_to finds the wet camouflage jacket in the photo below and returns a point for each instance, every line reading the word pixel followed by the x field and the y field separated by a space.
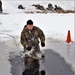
pixel 31 38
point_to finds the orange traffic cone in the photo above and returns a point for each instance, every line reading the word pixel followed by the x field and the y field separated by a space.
pixel 68 40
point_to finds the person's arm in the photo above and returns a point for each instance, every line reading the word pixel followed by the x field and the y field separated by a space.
pixel 23 39
pixel 41 36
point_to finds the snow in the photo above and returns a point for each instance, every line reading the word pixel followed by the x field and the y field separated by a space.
pixel 9 5
pixel 54 25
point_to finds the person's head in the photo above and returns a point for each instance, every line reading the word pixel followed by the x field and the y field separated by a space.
pixel 55 6
pixel 30 24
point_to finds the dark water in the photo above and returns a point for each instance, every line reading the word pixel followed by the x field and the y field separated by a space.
pixel 53 64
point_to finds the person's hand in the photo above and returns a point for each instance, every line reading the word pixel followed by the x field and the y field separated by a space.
pixel 29 48
pixel 42 44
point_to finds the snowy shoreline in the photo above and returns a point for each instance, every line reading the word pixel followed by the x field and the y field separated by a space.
pixel 55 26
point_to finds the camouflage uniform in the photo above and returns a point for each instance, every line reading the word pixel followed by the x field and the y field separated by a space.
pixel 31 38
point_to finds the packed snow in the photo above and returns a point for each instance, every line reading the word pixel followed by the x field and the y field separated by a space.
pixel 54 25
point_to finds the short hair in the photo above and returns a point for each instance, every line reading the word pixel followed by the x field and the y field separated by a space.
pixel 29 22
